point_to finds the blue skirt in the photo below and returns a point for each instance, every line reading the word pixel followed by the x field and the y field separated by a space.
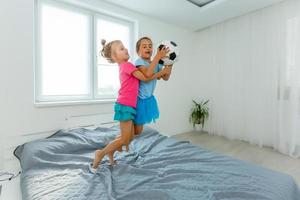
pixel 146 111
pixel 124 113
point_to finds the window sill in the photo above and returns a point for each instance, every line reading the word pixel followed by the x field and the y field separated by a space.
pixel 73 103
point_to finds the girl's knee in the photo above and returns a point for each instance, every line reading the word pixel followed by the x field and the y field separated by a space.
pixel 138 130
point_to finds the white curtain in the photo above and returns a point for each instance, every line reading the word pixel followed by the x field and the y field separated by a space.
pixel 289 90
pixel 254 67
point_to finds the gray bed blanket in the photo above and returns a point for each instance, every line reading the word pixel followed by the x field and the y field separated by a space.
pixel 156 167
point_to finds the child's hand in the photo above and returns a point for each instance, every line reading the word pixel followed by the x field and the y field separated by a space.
pixel 167 69
pixel 162 52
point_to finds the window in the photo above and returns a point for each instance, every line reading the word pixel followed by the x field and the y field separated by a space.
pixel 68 42
pixel 108 75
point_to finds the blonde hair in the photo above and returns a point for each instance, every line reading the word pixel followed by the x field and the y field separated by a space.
pixel 138 43
pixel 107 50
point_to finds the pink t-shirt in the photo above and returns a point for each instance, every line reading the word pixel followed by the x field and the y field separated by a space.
pixel 129 85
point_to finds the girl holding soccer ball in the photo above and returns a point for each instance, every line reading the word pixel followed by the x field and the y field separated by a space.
pixel 147 108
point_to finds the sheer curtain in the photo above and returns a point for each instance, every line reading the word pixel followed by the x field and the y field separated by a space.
pixel 254 67
pixel 288 140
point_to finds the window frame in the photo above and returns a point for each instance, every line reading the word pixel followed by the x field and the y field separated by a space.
pixel 92 97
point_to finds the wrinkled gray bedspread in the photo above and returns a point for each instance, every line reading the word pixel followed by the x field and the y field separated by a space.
pixel 156 167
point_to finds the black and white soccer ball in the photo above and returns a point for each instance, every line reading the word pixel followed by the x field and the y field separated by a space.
pixel 172 55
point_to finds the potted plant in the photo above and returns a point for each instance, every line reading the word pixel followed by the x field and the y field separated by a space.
pixel 199 114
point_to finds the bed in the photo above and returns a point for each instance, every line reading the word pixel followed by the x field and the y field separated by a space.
pixel 156 167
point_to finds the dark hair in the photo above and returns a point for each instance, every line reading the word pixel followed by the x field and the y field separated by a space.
pixel 138 43
pixel 106 51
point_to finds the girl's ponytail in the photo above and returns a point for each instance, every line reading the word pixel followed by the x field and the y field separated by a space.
pixel 106 51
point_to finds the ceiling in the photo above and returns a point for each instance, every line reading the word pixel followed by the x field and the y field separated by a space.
pixel 186 14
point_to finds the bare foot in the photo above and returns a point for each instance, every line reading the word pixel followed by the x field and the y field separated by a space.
pixel 111 158
pixel 99 154
pixel 120 149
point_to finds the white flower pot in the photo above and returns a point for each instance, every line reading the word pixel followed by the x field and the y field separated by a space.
pixel 198 127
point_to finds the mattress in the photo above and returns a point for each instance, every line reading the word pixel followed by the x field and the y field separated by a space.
pixel 156 167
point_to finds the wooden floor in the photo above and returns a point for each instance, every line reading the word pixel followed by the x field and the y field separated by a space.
pixel 266 157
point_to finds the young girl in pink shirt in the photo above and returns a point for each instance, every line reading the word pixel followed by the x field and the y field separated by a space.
pixel 115 52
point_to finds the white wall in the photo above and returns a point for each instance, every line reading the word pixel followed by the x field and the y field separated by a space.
pixel 19 115
pixel 239 62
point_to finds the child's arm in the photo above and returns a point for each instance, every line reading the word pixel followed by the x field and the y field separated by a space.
pixel 139 75
pixel 149 71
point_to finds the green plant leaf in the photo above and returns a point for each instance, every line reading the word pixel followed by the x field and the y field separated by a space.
pixel 199 112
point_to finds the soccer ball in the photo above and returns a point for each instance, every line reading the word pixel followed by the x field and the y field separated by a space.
pixel 172 55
